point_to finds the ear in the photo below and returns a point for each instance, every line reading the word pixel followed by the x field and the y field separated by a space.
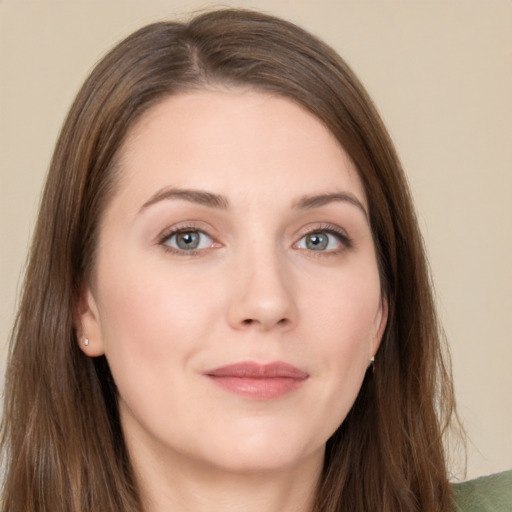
pixel 87 324
pixel 381 322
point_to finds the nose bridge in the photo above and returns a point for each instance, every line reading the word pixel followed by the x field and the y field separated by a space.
pixel 263 287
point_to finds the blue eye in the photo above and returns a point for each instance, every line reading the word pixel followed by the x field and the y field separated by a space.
pixel 188 240
pixel 320 241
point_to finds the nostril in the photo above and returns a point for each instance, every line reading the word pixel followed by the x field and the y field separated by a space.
pixel 251 321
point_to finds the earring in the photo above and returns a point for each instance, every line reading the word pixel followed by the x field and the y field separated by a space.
pixel 86 342
pixel 372 363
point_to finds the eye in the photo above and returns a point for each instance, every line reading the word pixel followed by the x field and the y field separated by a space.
pixel 188 240
pixel 322 241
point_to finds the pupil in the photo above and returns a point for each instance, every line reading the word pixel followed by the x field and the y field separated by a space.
pixel 317 242
pixel 188 240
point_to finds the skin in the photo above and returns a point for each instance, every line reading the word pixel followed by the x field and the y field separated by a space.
pixel 255 289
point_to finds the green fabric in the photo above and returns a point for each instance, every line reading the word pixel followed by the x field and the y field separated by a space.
pixel 486 494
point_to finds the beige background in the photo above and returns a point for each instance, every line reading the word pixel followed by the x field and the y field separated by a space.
pixel 441 75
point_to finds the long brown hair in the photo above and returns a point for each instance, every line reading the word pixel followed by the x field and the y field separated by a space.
pixel 62 440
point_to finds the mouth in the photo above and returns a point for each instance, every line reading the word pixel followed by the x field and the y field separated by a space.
pixel 258 381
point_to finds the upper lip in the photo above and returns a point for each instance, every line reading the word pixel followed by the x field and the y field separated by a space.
pixel 253 370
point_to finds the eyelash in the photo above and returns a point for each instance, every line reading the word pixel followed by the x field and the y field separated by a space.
pixel 173 231
pixel 330 229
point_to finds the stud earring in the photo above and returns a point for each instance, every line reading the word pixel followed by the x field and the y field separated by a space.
pixel 86 342
pixel 372 363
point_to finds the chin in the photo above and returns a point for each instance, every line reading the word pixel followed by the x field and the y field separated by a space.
pixel 270 461
pixel 265 451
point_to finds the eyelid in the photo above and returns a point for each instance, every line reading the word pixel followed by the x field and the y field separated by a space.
pixel 329 228
pixel 184 227
pixel 333 229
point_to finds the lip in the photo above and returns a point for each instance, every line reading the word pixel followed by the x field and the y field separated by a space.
pixel 258 381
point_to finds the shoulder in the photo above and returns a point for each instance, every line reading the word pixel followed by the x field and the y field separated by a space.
pixel 491 493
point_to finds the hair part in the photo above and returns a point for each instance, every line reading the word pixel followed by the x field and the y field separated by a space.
pixel 62 439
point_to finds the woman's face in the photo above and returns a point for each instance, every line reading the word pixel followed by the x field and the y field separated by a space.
pixel 236 294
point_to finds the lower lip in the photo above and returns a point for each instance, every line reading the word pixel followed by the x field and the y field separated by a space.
pixel 258 388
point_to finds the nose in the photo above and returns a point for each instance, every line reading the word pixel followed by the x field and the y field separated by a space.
pixel 262 297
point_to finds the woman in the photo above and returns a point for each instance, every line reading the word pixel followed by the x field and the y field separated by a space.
pixel 227 305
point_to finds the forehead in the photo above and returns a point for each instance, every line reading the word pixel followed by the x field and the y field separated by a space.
pixel 237 142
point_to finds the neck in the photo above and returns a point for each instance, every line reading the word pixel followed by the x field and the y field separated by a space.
pixel 191 486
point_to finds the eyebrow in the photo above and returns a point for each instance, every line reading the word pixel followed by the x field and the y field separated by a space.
pixel 318 200
pixel 194 196
pixel 218 201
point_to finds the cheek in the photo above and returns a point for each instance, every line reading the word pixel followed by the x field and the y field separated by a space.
pixel 151 322
pixel 347 311
pixel 344 322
